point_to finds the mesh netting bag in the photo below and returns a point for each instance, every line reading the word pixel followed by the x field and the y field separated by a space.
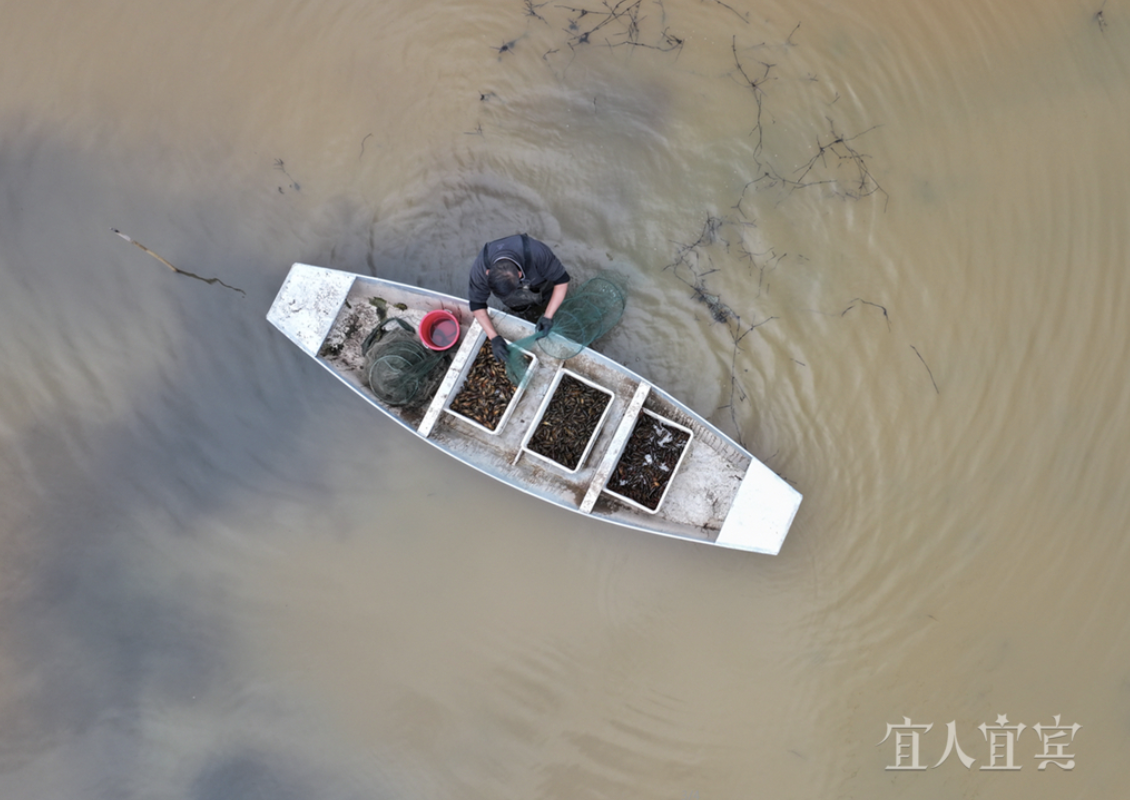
pixel 586 314
pixel 399 369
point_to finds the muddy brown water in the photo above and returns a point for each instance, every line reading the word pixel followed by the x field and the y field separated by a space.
pixel 884 242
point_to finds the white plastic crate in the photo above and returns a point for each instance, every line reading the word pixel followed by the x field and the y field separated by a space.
pixel 513 400
pixel 674 469
pixel 561 373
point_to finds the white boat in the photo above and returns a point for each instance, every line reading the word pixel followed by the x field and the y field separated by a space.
pixel 718 493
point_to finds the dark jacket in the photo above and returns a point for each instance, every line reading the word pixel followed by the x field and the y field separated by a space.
pixel 541 269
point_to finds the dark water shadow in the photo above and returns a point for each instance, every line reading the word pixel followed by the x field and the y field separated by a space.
pixel 99 626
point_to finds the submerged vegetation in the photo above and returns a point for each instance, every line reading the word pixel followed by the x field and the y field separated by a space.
pixel 835 163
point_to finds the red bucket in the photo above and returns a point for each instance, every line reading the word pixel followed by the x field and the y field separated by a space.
pixel 439 330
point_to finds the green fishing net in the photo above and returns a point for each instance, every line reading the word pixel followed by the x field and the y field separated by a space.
pixel 399 369
pixel 586 314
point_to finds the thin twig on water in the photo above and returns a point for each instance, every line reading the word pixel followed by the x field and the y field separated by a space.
pixel 840 152
pixel 532 10
pixel 280 165
pixel 178 270
pixel 927 366
pixel 743 17
pixel 758 93
pixel 1100 20
pixel 868 303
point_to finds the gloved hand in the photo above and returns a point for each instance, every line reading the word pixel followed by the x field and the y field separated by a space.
pixel 543 327
pixel 500 348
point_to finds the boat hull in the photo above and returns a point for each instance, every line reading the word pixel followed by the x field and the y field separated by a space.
pixel 720 495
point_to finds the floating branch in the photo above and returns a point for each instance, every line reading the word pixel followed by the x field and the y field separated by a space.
pixel 743 17
pixel 688 259
pixel 738 206
pixel 688 256
pixel 736 388
pixel 506 47
pixel 668 42
pixel 719 311
pixel 771 264
pixel 861 301
pixel 927 366
pixel 707 237
pixel 611 14
pixel 281 167
pixel 622 22
pixel 363 146
pixel 758 92
pixel 671 39
pixel 838 152
pixel 532 10
pixel 755 85
pixel 136 243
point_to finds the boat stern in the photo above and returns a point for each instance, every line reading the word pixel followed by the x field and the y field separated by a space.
pixel 762 512
pixel 308 303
